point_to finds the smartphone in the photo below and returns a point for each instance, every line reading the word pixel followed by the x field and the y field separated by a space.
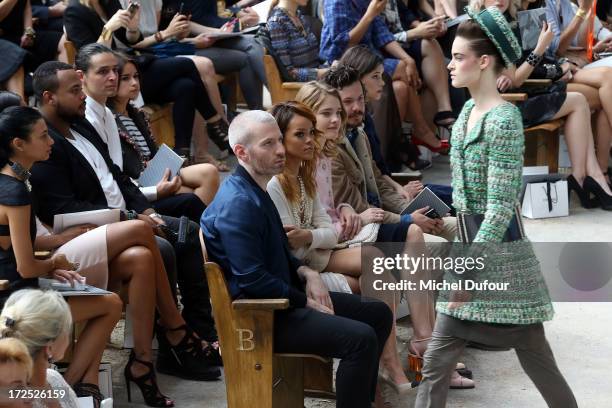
pixel 132 8
pixel 432 213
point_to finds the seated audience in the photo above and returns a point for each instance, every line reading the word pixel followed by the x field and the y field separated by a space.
pixel 15 371
pixel 293 42
pixel 164 80
pixel 99 65
pixel 125 253
pixel 311 235
pixel 331 122
pixel 138 145
pixel 23 141
pixel 242 54
pixel 149 14
pixel 419 41
pixel 571 25
pixel 42 320
pixel 243 219
pixel 17 27
pixel 326 105
pixel 369 188
pixel 587 175
pixel 359 22
pixel 370 69
pixel 80 176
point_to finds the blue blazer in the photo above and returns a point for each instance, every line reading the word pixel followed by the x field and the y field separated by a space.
pixel 245 236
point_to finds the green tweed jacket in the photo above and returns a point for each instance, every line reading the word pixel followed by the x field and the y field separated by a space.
pixel 487 164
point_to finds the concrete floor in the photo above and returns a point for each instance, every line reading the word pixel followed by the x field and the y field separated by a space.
pixel 579 336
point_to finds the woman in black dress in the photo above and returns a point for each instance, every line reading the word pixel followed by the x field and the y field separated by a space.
pixel 23 141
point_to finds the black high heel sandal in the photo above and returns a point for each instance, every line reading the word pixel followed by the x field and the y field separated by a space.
pixel 187 359
pixel 444 120
pixel 592 187
pixel 583 195
pixel 89 390
pixel 218 133
pixel 146 383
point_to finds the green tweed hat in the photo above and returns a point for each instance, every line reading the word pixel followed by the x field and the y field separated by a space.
pixel 496 27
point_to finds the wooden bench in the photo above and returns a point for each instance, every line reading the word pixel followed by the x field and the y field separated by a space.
pixel 279 91
pixel 254 374
pixel 541 141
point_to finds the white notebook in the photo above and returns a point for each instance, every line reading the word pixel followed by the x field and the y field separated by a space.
pixel 96 217
pixel 165 158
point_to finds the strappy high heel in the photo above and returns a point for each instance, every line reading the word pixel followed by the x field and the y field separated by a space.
pixel 188 359
pixel 441 120
pixel 147 384
pixel 219 134
pixel 82 389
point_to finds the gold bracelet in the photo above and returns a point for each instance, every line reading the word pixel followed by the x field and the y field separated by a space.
pixel 581 13
pixel 106 34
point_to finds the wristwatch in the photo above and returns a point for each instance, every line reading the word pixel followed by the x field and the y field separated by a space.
pixel 131 215
pixel 29 31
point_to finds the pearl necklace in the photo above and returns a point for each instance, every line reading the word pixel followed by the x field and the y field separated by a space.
pixel 303 213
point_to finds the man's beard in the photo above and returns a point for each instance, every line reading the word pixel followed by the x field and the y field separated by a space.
pixel 353 123
pixel 261 167
pixel 69 116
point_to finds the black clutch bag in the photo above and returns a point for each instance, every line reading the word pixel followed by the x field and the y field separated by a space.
pixel 468 226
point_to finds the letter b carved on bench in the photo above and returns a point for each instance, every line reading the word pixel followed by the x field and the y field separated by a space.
pixel 245 340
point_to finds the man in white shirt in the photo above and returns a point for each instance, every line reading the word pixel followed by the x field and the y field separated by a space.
pixel 80 176
pixel 98 67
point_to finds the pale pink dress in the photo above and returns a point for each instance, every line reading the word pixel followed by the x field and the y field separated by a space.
pixel 89 250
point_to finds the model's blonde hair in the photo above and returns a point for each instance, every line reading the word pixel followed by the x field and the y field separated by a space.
pixel 14 351
pixel 35 317
pixel 478 5
pixel 312 95
pixel 284 113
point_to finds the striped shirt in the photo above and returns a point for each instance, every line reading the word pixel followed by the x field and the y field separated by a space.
pixel 136 136
pixel 296 47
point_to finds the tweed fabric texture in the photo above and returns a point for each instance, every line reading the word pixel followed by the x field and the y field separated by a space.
pixel 487 165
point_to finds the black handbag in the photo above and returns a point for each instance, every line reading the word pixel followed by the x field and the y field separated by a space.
pixel 468 226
